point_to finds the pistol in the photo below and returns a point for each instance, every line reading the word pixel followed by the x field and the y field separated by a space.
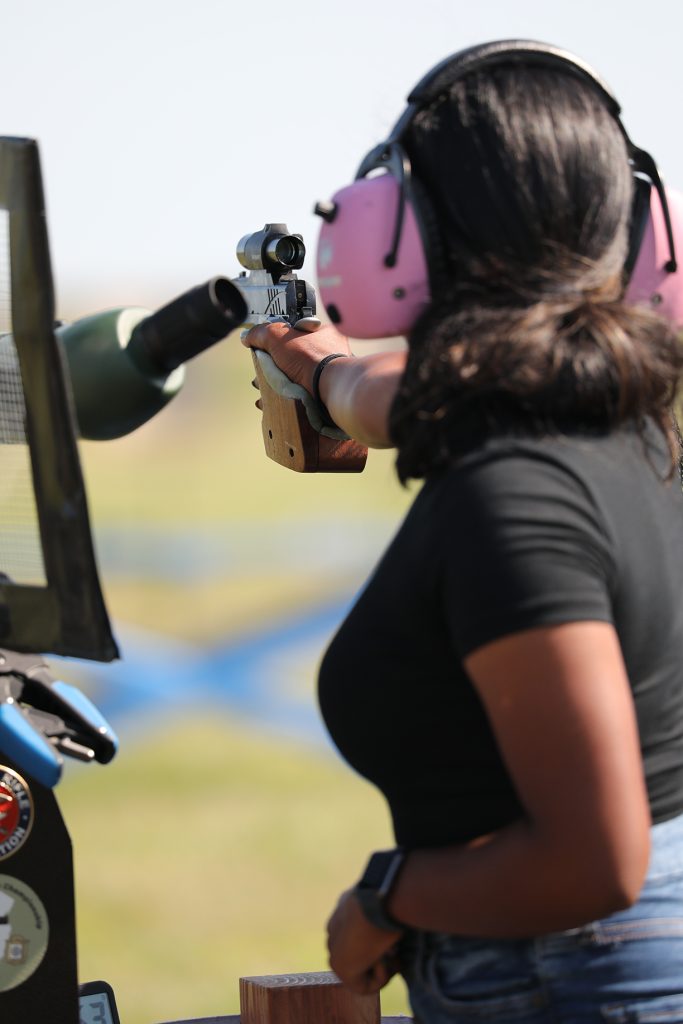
pixel 293 432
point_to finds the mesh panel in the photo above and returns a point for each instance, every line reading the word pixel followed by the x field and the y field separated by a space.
pixel 21 553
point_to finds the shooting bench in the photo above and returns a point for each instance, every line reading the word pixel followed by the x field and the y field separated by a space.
pixel 301 999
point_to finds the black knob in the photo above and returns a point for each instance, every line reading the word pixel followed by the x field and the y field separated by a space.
pixel 326 209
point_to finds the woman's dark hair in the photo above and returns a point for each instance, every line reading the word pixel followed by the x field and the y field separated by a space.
pixel 529 179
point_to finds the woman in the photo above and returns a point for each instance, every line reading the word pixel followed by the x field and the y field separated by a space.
pixel 511 676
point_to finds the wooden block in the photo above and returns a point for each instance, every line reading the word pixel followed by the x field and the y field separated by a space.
pixel 318 998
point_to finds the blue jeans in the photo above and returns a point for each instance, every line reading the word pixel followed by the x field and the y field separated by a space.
pixel 625 968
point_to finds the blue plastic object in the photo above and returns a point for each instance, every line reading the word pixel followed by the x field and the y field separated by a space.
pixel 80 703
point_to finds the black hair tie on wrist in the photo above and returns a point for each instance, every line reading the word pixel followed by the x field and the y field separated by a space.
pixel 315 387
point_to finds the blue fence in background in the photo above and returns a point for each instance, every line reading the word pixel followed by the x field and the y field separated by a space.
pixel 250 676
pixel 265 674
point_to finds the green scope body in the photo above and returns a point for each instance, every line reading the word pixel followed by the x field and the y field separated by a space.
pixel 126 364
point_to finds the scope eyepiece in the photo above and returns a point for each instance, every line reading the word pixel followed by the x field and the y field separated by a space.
pixel 273 249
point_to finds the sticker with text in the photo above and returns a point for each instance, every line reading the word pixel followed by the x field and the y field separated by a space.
pixel 24 932
pixel 16 812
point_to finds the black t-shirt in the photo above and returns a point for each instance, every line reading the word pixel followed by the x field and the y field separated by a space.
pixel 522 532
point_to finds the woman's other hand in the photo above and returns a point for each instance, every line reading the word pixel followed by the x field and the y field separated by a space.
pixel 362 956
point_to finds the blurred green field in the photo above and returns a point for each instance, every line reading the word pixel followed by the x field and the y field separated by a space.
pixel 201 460
pixel 200 466
pixel 211 849
pixel 210 853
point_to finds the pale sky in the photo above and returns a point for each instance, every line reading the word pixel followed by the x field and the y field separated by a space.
pixel 170 129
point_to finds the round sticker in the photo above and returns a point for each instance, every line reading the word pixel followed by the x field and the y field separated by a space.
pixel 24 932
pixel 16 812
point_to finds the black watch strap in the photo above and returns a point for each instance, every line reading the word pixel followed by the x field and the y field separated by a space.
pixel 375 886
pixel 315 387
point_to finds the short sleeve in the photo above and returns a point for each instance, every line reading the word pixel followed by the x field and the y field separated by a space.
pixel 525 547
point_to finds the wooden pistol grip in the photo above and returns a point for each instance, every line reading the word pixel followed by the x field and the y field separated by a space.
pixel 291 441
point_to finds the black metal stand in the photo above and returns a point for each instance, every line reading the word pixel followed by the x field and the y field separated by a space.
pixel 38 967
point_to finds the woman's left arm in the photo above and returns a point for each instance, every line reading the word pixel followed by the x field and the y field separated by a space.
pixel 560 705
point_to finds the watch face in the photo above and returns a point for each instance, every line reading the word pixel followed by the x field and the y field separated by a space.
pixel 96 1004
pixel 381 871
pixel 375 886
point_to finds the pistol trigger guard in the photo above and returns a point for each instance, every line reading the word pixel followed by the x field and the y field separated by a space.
pixel 286 388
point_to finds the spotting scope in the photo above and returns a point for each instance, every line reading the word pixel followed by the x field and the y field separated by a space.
pixel 126 364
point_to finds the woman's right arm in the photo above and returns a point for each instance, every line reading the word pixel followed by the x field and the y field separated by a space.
pixel 561 708
pixel 358 391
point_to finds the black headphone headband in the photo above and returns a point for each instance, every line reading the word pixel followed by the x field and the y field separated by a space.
pixel 504 51
pixel 524 51
pixel 391 156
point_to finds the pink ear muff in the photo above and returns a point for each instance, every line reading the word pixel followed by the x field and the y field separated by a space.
pixel 363 296
pixel 650 281
pixel 367 299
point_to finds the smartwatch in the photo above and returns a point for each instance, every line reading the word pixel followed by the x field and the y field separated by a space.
pixel 375 885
